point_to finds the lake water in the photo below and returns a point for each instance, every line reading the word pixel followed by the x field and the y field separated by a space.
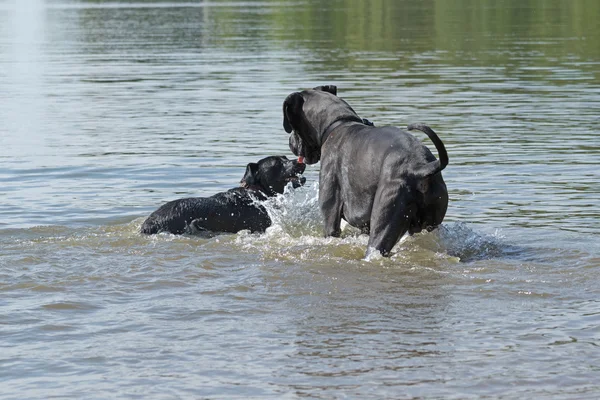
pixel 109 109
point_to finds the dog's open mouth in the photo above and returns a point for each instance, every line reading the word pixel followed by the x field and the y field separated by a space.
pixel 296 181
pixel 295 174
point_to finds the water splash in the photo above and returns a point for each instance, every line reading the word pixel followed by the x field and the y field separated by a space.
pixel 467 244
pixel 296 212
pixel 297 226
pixel 296 218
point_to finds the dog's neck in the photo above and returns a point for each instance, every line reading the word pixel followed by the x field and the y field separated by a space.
pixel 255 189
pixel 339 122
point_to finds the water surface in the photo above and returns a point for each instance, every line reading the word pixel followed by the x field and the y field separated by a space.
pixel 110 109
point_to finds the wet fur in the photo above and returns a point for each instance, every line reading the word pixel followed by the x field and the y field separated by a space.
pixel 231 211
pixel 382 180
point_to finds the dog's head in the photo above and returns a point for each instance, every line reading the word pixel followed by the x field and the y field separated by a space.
pixel 271 174
pixel 308 114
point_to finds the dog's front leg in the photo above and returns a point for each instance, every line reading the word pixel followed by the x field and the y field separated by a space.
pixel 331 206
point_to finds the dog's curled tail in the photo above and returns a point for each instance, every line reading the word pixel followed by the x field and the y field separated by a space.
pixel 438 165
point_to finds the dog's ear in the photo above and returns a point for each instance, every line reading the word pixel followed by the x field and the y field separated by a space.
pixel 291 107
pixel 327 88
pixel 251 176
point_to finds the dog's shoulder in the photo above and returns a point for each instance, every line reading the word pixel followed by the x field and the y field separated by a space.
pixel 239 196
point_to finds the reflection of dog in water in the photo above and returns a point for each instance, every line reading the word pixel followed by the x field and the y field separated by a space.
pixel 231 211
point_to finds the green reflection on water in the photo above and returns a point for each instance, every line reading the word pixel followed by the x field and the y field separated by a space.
pixel 474 32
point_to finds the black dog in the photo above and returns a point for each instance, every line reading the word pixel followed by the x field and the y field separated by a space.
pixel 379 179
pixel 230 211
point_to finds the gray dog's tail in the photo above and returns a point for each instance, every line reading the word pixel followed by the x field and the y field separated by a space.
pixel 438 165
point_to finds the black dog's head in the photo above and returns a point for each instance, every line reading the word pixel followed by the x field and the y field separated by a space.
pixel 308 114
pixel 270 175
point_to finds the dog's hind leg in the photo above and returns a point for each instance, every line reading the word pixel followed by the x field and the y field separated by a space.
pixel 390 218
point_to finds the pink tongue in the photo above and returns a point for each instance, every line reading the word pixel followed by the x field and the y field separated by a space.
pixel 301 160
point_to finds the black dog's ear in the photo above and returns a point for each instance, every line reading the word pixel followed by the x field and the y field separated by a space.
pixel 327 88
pixel 251 176
pixel 291 107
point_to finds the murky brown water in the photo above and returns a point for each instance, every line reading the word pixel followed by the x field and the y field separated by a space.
pixel 109 109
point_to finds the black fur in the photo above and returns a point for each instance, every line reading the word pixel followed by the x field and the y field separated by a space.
pixel 231 211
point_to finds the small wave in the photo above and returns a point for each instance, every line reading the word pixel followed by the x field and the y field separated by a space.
pixel 297 232
pixel 70 305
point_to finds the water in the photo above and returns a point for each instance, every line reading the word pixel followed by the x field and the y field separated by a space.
pixel 110 109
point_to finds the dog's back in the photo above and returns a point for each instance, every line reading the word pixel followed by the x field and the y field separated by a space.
pixel 176 215
pixel 230 211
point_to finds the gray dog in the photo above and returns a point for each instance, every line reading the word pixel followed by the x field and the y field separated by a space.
pixel 381 180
